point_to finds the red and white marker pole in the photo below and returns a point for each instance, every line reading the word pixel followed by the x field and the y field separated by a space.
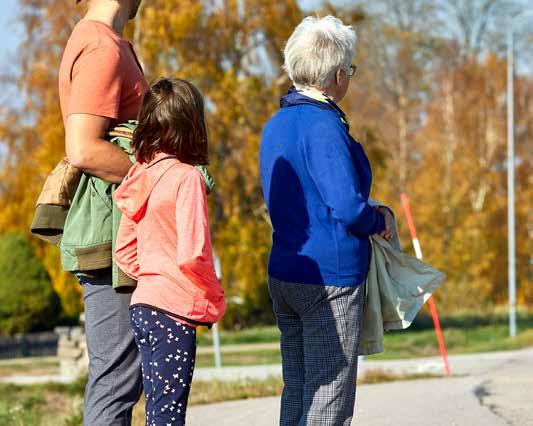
pixel 431 302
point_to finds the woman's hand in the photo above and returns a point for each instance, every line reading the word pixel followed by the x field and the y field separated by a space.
pixel 388 232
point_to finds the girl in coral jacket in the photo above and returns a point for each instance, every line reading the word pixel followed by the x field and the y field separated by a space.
pixel 164 243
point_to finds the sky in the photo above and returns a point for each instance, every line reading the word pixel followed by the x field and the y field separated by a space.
pixel 9 36
pixel 8 30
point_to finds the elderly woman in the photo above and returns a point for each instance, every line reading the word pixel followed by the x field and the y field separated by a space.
pixel 316 181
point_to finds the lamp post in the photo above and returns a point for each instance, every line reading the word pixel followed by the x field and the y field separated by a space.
pixel 511 254
pixel 216 335
pixel 511 232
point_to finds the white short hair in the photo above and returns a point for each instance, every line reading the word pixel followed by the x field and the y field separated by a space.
pixel 317 48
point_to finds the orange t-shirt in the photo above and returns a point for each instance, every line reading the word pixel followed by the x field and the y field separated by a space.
pixel 100 74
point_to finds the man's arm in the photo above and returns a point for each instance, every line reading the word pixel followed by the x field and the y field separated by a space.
pixel 90 152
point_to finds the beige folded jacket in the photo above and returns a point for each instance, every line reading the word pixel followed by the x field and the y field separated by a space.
pixel 56 196
pixel 397 286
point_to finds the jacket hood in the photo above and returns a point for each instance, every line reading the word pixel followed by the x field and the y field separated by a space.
pixel 133 193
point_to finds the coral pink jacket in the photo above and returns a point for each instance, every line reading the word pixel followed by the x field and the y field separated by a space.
pixel 164 241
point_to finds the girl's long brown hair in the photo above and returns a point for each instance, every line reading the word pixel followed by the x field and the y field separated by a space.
pixel 172 121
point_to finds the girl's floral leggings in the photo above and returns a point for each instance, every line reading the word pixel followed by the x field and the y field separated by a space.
pixel 168 349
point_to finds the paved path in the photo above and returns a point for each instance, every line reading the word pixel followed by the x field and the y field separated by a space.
pixel 487 389
pixel 490 390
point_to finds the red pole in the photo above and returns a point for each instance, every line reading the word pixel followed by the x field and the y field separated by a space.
pixel 431 302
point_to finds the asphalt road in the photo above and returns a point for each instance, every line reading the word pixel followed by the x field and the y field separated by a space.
pixel 486 390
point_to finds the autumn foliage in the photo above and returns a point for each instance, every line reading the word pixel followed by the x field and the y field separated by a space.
pixel 428 108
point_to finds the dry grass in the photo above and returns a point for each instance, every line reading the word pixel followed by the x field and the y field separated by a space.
pixel 382 376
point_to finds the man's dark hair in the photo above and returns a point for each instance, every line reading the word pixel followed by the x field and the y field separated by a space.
pixel 172 121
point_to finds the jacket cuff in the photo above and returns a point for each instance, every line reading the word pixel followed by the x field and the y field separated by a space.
pixel 48 222
pixel 380 222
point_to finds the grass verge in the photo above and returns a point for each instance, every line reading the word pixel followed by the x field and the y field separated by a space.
pixel 263 334
pixel 463 333
pixel 41 405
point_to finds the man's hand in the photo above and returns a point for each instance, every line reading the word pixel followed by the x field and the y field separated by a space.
pixel 88 151
pixel 388 232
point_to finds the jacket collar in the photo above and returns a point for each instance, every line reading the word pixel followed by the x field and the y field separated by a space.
pixel 313 97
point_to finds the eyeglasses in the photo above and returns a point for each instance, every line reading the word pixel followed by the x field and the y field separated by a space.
pixel 353 69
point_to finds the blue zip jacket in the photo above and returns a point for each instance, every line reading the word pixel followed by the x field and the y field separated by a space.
pixel 316 181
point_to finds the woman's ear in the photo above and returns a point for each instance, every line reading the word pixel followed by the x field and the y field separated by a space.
pixel 338 76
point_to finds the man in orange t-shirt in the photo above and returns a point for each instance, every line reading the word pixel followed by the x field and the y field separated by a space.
pixel 101 83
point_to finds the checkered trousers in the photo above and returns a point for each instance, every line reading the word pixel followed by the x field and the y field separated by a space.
pixel 320 330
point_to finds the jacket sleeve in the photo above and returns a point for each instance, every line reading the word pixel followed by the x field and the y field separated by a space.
pixel 331 167
pixel 126 248
pixel 194 251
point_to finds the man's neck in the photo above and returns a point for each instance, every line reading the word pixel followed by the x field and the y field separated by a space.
pixel 110 13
